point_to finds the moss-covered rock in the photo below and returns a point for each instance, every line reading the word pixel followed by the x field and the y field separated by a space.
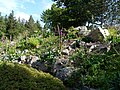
pixel 22 77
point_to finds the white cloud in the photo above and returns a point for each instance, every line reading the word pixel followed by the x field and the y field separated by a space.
pixel 36 15
pixel 3 10
pixel 29 1
pixel 46 4
pixel 22 6
pixel 32 1
pixel 22 15
pixel 8 3
pixel 26 16
pixel 22 9
pixel 6 6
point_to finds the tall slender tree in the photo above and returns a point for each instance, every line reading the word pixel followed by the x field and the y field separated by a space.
pixel 11 30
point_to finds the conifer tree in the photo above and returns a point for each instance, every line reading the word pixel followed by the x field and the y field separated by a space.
pixel 11 29
pixel 30 25
pixel 2 25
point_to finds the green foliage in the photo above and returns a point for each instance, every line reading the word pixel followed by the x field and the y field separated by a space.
pixel 32 27
pixel 0 44
pixel 112 31
pixel 29 43
pixel 2 26
pixel 52 17
pixel 114 38
pixel 113 34
pixel 87 39
pixel 72 33
pixel 22 44
pixel 22 77
pixel 96 71
pixel 12 27
pixel 33 42
pixel 75 13
pixel 50 42
pixel 49 48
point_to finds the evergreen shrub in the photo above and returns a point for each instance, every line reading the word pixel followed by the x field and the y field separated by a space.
pixel 22 77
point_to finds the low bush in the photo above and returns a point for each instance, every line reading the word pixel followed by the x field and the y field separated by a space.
pixel 72 33
pixel 96 71
pixel 112 31
pixel 87 39
pixel 33 42
pixel 22 77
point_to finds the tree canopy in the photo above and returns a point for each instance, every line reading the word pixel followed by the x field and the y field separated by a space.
pixel 75 13
pixel 12 27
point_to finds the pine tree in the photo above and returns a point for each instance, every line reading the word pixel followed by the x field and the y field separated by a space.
pixel 11 26
pixel 30 25
pixel 2 25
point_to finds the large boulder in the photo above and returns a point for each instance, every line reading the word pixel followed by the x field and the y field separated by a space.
pixel 63 68
pixel 75 45
pixel 65 52
pixel 99 34
pixel 104 32
pixel 64 73
pixel 28 59
pixel 83 30
pixel 59 64
pixel 100 48
pixel 40 65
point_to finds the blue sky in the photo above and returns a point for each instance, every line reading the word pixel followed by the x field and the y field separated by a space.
pixel 25 8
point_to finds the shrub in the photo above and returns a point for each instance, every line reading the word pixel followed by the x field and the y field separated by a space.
pixel 22 77
pixel 96 71
pixel 33 42
pixel 72 33
pixel 49 48
pixel 22 44
pixel 114 35
pixel 87 39
pixel 113 31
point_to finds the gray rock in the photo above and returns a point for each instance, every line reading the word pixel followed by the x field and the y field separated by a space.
pixel 101 48
pixel 104 32
pixel 64 73
pixel 12 43
pixel 59 64
pixel 33 59
pixel 40 66
pixel 65 52
pixel 28 59
pixel 83 30
pixel 87 88
pixel 23 59
pixel 99 34
pixel 75 45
